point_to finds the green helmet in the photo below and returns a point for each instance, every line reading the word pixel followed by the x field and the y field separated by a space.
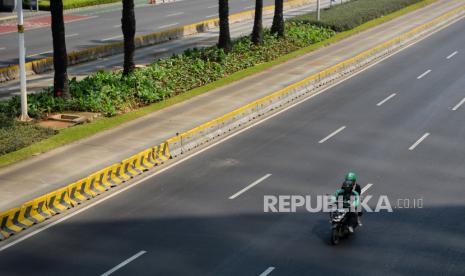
pixel 351 176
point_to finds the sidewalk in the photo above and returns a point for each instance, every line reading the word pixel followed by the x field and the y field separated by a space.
pixel 41 174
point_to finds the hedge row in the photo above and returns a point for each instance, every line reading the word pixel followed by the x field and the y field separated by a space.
pixel 110 93
pixel 354 13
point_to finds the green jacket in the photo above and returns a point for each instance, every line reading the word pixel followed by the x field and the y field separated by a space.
pixel 340 192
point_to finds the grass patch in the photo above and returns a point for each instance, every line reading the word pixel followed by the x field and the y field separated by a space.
pixel 70 135
pixel 15 135
pixel 351 14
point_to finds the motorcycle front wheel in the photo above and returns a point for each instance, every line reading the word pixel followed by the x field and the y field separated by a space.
pixel 335 236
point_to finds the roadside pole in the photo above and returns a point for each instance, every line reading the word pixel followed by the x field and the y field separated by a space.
pixel 318 10
pixel 22 61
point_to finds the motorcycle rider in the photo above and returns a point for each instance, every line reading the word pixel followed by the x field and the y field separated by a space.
pixel 351 176
pixel 346 192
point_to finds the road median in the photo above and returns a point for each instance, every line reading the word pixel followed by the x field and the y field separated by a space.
pixel 76 57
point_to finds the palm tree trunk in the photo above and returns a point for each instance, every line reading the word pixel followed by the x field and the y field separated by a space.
pixel 224 41
pixel 128 25
pixel 257 33
pixel 278 20
pixel 60 56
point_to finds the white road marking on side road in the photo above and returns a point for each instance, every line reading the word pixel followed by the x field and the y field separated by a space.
pixel 452 55
pixel 458 105
pixel 211 15
pixel 175 14
pixel 249 7
pixel 124 263
pixel 13 88
pixel 332 134
pixel 168 25
pixel 117 26
pixel 250 186
pixel 12 241
pixel 211 7
pixel 367 186
pixel 267 271
pixel 424 74
pixel 2 48
pixel 39 54
pixel 112 38
pixel 419 141
pixel 71 35
pixel 387 99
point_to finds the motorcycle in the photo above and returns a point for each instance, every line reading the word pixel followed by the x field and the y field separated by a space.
pixel 339 220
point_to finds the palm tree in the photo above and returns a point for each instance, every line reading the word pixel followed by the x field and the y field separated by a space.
pixel 257 33
pixel 128 25
pixel 60 56
pixel 224 41
pixel 278 20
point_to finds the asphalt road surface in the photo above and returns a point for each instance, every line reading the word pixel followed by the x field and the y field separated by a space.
pixel 183 222
pixel 88 28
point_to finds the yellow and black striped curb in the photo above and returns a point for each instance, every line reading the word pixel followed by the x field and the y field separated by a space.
pixel 76 57
pixel 39 209
pixel 241 116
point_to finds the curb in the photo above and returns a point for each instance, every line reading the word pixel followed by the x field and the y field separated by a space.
pixel 80 56
pixel 39 209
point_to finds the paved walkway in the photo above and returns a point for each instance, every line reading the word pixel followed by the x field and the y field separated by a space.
pixel 46 172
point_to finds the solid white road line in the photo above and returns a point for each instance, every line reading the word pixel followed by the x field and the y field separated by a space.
pixel 175 14
pixel 112 38
pixel 458 105
pixel 71 35
pixel 193 155
pixel 168 25
pixel 387 99
pixel 424 74
pixel 267 271
pixel 367 186
pixel 124 263
pixel 13 88
pixel 419 141
pixel 210 16
pixel 250 186
pixel 211 7
pixel 39 54
pixel 249 7
pixel 2 48
pixel 117 26
pixel 452 55
pixel 332 134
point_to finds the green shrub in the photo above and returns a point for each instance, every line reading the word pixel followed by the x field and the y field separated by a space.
pixel 354 13
pixel 110 93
